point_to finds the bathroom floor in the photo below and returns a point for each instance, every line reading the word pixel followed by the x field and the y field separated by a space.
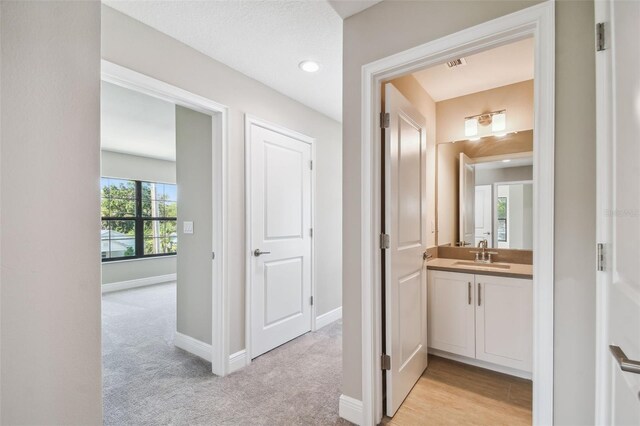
pixel 453 393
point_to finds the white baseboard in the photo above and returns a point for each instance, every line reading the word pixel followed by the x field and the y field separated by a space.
pixel 482 364
pixel 237 361
pixel 194 346
pixel 350 409
pixel 326 319
pixel 141 282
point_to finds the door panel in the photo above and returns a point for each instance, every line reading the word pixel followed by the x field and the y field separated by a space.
pixel 467 192
pixel 618 125
pixel 280 222
pixel 484 214
pixel 452 313
pixel 504 321
pixel 405 275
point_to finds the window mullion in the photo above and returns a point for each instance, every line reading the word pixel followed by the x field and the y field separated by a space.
pixel 139 221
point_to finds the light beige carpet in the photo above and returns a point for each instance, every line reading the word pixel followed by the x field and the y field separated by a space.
pixel 148 381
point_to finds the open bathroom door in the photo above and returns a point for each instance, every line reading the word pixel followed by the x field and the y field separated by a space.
pixel 618 189
pixel 405 278
pixel 467 200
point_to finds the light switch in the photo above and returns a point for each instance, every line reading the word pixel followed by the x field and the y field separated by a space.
pixel 187 227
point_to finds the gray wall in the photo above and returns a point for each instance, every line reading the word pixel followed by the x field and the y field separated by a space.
pixel 507 174
pixel 372 35
pixel 117 164
pixel 50 131
pixel 195 200
pixel 136 46
pixel 126 166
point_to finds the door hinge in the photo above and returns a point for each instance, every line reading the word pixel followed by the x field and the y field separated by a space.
pixel 384 241
pixel 311 301
pixel 600 259
pixel 385 362
pixel 213 255
pixel 600 37
pixel 311 165
pixel 384 120
pixel 311 232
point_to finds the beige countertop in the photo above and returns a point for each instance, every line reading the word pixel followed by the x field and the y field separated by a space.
pixel 514 270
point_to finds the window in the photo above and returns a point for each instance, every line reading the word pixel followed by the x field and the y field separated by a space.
pixel 502 219
pixel 138 219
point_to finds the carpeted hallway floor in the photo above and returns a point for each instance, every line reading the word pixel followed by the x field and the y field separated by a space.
pixel 148 381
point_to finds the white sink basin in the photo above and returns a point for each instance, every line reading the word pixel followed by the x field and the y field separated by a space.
pixel 483 265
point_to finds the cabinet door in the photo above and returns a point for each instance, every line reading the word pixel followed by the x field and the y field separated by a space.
pixel 451 312
pixel 504 321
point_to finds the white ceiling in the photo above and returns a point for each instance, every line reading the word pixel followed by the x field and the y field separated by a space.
pixel 134 123
pixel 504 65
pixel 346 8
pixel 265 40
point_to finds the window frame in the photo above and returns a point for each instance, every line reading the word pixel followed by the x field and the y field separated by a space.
pixel 139 219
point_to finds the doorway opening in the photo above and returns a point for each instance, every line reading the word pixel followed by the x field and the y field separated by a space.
pixel 163 198
pixel 485 281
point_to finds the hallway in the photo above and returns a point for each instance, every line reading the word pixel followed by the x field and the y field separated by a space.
pixel 146 380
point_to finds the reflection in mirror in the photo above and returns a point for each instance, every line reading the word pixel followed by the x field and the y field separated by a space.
pixel 485 192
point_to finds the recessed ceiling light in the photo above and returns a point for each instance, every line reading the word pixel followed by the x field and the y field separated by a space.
pixel 506 161
pixel 309 66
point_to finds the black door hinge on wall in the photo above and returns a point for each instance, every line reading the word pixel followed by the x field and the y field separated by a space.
pixel 600 37
pixel 385 362
pixel 600 257
pixel 384 120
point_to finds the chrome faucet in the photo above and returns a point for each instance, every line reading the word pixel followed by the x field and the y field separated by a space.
pixel 483 256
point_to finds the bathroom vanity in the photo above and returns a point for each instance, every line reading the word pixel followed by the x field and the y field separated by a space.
pixel 481 314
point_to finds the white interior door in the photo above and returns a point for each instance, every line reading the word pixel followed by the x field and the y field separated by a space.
pixel 280 242
pixel 484 214
pixel 406 224
pixel 467 193
pixel 618 91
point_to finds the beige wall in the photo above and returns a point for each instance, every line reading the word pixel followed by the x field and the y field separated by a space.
pixel 516 98
pixel 134 45
pixel 447 192
pixel 373 34
pixel 50 131
pixel 413 91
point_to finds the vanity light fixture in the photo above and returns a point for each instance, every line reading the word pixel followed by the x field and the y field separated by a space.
pixel 309 66
pixel 471 126
pixel 499 121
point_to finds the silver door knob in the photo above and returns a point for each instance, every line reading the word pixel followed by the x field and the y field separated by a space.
pixel 257 252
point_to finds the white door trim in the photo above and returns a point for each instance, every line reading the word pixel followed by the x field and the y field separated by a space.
pixel 219 113
pixel 250 120
pixel 537 21
pixel 604 202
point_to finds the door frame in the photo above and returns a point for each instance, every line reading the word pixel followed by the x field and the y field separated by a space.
pixel 604 202
pixel 133 80
pixel 537 21
pixel 250 120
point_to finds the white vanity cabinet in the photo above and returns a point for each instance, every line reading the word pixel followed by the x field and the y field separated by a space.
pixel 504 321
pixel 483 317
pixel 451 312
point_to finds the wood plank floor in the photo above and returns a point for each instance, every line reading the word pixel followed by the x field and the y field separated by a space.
pixel 451 393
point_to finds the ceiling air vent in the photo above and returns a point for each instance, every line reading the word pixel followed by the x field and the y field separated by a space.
pixel 456 63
